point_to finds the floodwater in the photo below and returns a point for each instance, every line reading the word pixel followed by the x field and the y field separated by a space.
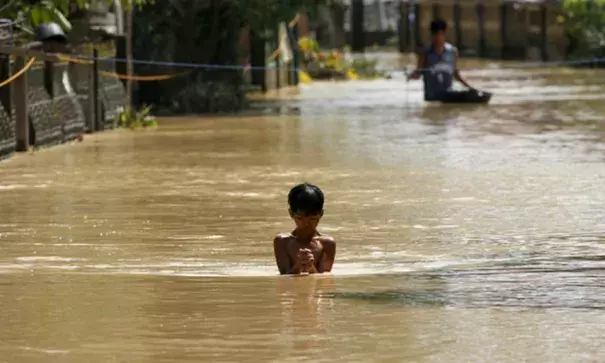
pixel 464 234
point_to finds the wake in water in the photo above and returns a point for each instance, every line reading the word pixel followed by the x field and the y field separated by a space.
pixel 572 282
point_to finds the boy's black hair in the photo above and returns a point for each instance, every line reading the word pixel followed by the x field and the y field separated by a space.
pixel 438 25
pixel 306 199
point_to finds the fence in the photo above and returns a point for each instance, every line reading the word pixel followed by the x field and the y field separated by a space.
pixel 269 70
pixel 508 29
pixel 47 99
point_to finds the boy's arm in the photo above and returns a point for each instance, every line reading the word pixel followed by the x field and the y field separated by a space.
pixel 282 259
pixel 328 255
pixel 457 75
pixel 419 67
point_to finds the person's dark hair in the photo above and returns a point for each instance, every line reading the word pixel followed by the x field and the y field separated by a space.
pixel 438 25
pixel 306 199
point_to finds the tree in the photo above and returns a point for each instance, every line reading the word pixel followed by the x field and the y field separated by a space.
pixel 31 13
pixel 584 23
pixel 203 32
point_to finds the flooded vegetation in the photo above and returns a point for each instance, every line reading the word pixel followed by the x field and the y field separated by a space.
pixel 464 233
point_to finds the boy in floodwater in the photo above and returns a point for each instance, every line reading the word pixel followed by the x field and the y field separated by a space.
pixel 438 65
pixel 305 250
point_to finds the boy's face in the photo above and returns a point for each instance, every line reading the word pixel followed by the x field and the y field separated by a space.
pixel 439 37
pixel 306 222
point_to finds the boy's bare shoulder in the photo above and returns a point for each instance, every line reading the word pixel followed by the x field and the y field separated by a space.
pixel 326 240
pixel 283 237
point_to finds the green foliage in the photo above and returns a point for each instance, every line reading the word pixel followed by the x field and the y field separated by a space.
pixel 584 22
pixel 203 32
pixel 129 118
pixel 29 14
pixel 366 68
pixel 333 65
pixel 261 13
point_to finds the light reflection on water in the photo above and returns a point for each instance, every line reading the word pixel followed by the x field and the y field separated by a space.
pixel 464 233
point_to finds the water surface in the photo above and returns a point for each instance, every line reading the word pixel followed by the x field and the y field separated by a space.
pixel 464 233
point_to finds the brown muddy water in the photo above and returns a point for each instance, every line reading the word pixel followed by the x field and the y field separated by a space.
pixel 464 234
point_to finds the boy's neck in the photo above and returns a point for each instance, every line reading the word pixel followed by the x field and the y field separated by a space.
pixel 304 237
pixel 438 46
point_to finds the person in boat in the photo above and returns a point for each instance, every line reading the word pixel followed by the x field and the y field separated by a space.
pixel 304 250
pixel 438 65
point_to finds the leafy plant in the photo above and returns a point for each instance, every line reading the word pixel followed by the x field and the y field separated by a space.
pixel 322 65
pixel 308 45
pixel 584 23
pixel 366 68
pixel 29 14
pixel 129 118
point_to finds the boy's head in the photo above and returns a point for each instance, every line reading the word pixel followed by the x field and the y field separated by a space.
pixel 306 205
pixel 438 30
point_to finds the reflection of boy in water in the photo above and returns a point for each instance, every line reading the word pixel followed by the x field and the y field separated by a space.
pixel 438 64
pixel 305 298
pixel 304 250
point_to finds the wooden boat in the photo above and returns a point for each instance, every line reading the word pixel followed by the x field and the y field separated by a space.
pixel 466 96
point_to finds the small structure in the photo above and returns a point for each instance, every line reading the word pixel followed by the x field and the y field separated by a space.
pixel 53 99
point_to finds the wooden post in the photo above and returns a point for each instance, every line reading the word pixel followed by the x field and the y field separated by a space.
pixel 295 55
pixel 21 112
pixel 338 12
pixel 410 20
pixel 91 97
pixel 357 28
pixel 94 93
pixel 258 60
pixel 121 53
pixel 5 92
pixel 402 31
pixel 129 65
pixel 49 78
pixel 544 32
pixel 277 59
pixel 457 24
pixel 481 26
pixel 416 34
pixel 400 27
pixel 503 29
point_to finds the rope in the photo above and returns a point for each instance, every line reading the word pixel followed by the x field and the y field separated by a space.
pixel 82 59
pixel 242 67
pixel 160 77
pixel 19 73
pixel 65 58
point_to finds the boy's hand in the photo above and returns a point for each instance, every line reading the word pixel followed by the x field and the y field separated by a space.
pixel 305 258
pixel 414 75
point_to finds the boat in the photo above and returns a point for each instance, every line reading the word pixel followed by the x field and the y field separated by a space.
pixel 466 96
